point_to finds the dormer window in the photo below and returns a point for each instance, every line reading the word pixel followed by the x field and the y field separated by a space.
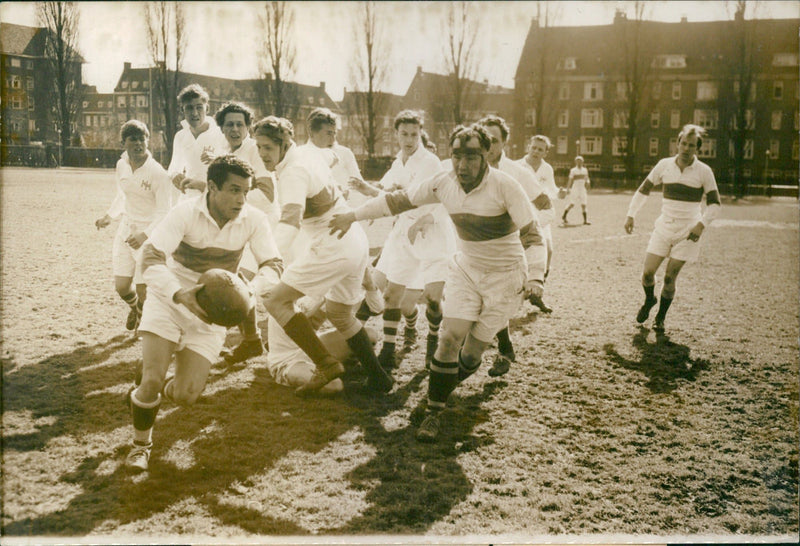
pixel 669 61
pixel 785 59
pixel 567 63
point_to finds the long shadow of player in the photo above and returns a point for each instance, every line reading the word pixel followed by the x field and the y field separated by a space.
pixel 53 391
pixel 663 362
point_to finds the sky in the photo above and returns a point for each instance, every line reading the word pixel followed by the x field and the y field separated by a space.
pixel 223 37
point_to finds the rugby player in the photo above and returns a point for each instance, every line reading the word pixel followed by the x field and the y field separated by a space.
pixel 497 236
pixel 322 126
pixel 144 196
pixel 333 268
pixel 676 235
pixel 577 184
pixel 207 232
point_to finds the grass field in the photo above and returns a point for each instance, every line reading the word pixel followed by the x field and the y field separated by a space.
pixel 600 432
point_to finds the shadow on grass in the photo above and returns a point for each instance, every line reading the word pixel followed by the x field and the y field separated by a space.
pixel 663 362
pixel 56 387
pixel 230 436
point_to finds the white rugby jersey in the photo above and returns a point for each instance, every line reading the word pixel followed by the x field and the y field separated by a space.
pixel 420 166
pixel 683 191
pixel 545 176
pixel 248 151
pixel 144 196
pixel 195 242
pixel 530 184
pixel 487 219
pixel 186 151
pixel 340 161
pixel 304 179
pixel 579 177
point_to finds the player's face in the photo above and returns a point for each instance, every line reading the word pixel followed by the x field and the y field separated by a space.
pixel 687 147
pixel 579 162
pixel 226 202
pixel 270 151
pixel 194 112
pixel 538 149
pixel 136 146
pixel 496 148
pixel 325 137
pixel 408 138
pixel 468 161
pixel 235 129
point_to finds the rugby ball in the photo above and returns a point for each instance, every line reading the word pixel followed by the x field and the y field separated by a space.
pixel 224 297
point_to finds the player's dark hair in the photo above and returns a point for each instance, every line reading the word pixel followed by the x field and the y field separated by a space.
pixel 191 92
pixel 319 117
pixel 496 121
pixel 133 128
pixel 233 107
pixel 408 116
pixel 473 131
pixel 222 166
pixel 279 130
pixel 692 129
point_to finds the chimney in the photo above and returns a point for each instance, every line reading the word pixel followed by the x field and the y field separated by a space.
pixel 126 66
pixel 322 86
pixel 619 15
pixel 684 18
pixel 419 69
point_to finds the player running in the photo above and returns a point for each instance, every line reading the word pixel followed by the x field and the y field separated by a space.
pixel 685 180
pixel 144 196
pixel 497 235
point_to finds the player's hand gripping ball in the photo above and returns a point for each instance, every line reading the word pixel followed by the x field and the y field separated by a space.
pixel 225 298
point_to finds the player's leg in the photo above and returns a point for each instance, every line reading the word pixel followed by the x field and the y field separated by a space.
pixel 433 312
pixel 408 307
pixel 145 400
pixel 341 315
pixel 651 264
pixel 126 290
pixel 300 372
pixel 667 292
pixel 505 354
pixel 373 303
pixel 191 374
pixel 252 345
pixel 392 313
pixel 566 211
pixel 583 209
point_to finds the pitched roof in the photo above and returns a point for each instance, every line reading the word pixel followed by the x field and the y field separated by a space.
pixel 16 39
pixel 389 101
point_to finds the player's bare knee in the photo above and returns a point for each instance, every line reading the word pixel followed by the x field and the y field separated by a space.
pixel 448 344
pixel 186 395
pixel 343 320
pixel 148 389
pixel 649 278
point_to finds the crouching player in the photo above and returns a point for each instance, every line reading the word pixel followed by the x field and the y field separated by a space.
pixel 497 235
pixel 206 232
pixel 144 195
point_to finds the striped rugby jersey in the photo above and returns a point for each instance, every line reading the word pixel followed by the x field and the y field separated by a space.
pixel 682 191
pixel 191 237
pixel 487 219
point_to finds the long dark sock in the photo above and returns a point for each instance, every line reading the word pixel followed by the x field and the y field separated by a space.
pixel 663 307
pixel 391 320
pixel 443 379
pixel 504 345
pixel 300 330
pixel 362 348
pixel 649 291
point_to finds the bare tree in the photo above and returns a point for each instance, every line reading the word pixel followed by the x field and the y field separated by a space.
pixel 462 28
pixel 736 101
pixel 166 38
pixel 278 59
pixel 636 62
pixel 60 20
pixel 542 79
pixel 372 54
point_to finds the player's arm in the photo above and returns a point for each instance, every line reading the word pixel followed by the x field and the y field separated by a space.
pixel 117 205
pixel 293 187
pixel 570 179
pixel 637 202
pixel 177 165
pixel 523 214
pixel 713 207
pixel 270 263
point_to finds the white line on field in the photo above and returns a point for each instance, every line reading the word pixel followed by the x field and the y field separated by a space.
pixel 754 224
pixel 606 238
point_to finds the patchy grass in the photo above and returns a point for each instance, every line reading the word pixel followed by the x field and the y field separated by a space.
pixel 600 429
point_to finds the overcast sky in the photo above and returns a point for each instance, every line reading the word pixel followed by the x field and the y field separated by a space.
pixel 223 37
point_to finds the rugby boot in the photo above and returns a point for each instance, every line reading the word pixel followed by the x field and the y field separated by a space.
pixel 537 301
pixel 501 365
pixel 386 357
pixel 248 348
pixel 322 375
pixel 644 310
pixel 139 457
pixel 428 431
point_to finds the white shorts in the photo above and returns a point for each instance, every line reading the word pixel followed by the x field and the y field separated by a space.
pixel 175 323
pixel 332 268
pixel 669 239
pixel 125 261
pixel 414 266
pixel 487 298
pixel 578 197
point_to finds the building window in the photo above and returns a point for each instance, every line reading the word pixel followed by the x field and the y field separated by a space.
pixel 707 91
pixel 29 83
pixel 618 145
pixel 141 101
pixel 16 103
pixel 134 84
pixel 618 168
pixel 15 126
pixel 708 119
pixel 563 118
pixel 592 145
pixel 124 84
pixel 620 119
pixel 102 121
pixel 675 119
pixel 87 120
pixel 777 117
pixel 749 148
pixel 653 146
pixel 561 145
pixel 31 103
pixel 310 100
pixel 676 90
pixel 774 149
pixel 567 63
pixel 749 120
pixel 708 149
pixel 785 59
pixel 593 91
pixel 796 150
pixel 99 104
pixel 655 119
pixel 622 90
pixel 669 61
pixel 16 63
pixel 108 104
pixel 86 104
pixel 563 91
pixel 656 90
pixel 121 101
pixel 673 146
pixel 777 90
pixel 737 86
pixel 530 117
pixel 591 117
pixel 31 125
pixel 16 82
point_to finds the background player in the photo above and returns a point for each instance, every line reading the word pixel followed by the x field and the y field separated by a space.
pixel 144 196
pixel 322 127
pixel 209 231
pixel 685 180
pixel 577 184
